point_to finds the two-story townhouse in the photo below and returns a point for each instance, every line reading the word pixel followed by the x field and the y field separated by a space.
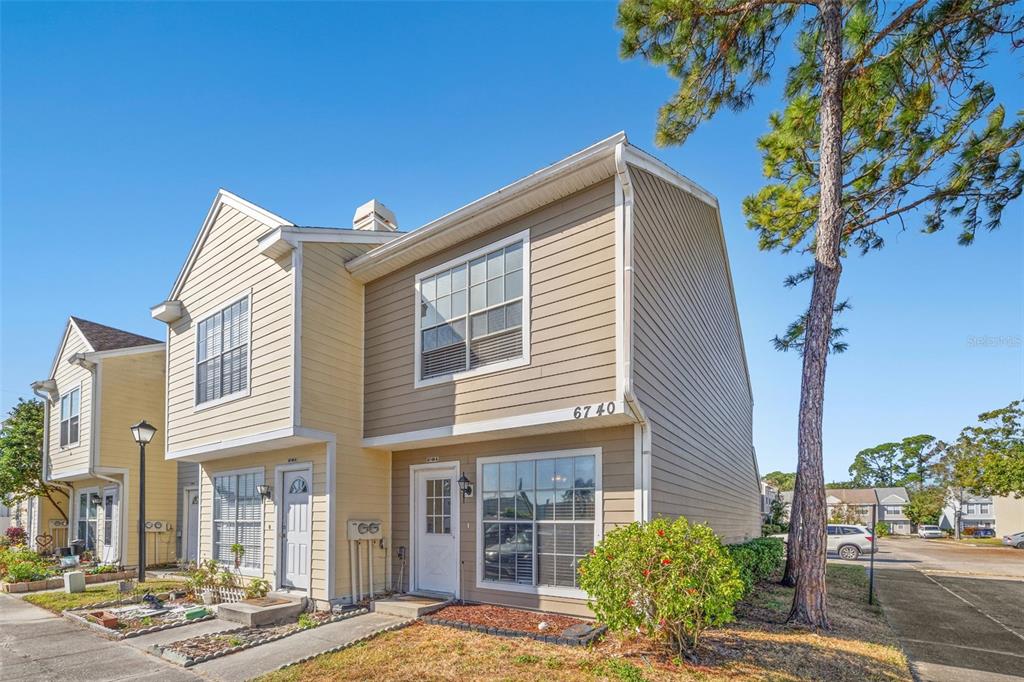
pixel 891 502
pixel 103 380
pixel 498 387
pixel 769 496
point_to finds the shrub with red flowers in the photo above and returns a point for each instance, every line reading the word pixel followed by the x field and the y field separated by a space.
pixel 16 535
pixel 668 579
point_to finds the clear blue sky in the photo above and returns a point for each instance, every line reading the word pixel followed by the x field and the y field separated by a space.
pixel 120 121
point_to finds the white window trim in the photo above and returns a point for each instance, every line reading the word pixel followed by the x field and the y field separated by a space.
pixel 545 591
pixel 419 382
pixel 60 418
pixel 248 572
pixel 237 395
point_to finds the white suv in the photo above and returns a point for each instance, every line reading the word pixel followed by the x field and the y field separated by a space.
pixel 930 532
pixel 849 541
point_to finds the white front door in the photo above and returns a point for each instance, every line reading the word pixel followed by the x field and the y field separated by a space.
pixel 190 541
pixel 296 534
pixel 111 524
pixel 436 525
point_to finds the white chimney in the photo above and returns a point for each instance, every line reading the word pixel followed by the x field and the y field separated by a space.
pixel 374 215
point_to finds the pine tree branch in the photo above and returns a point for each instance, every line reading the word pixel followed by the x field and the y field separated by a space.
pixel 901 20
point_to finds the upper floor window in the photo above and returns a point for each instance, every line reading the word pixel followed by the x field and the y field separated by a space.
pixel 893 510
pixel 69 410
pixel 473 312
pixel 222 353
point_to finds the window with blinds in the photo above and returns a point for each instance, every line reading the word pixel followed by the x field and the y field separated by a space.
pixel 238 518
pixel 471 312
pixel 538 518
pixel 222 353
pixel 69 415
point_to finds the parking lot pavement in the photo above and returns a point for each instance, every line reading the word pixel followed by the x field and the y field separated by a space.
pixel 37 645
pixel 957 621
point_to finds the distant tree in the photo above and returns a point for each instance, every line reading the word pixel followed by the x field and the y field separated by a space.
pixel 877 467
pixel 841 485
pixel 21 457
pixel 959 479
pixel 993 451
pixel 918 456
pixel 782 481
pixel 844 513
pixel 776 513
pixel 925 505
pixel 886 117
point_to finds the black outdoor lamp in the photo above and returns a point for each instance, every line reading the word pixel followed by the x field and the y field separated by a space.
pixel 143 433
pixel 265 491
pixel 465 485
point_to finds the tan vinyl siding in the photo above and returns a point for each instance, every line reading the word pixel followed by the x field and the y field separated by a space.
pixel 228 265
pixel 617 451
pixel 572 344
pixel 132 388
pixel 332 376
pixel 267 461
pixel 688 363
pixel 75 457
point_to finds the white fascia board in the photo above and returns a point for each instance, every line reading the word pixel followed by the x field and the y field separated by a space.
pixel 63 342
pixel 223 198
pixel 119 352
pixel 362 266
pixel 257 442
pixel 283 239
pixel 520 425
pixel 655 166
pixel 167 311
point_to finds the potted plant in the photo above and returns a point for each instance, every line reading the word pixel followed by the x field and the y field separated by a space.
pixel 238 550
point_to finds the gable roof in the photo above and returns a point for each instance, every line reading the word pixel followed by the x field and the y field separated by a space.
pixel 897 494
pixel 101 337
pixel 223 198
pixel 853 495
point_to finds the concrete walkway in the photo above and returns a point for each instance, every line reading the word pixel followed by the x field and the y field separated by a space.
pixel 268 657
pixel 37 645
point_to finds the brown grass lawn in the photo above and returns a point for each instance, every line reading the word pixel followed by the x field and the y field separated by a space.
pixel 756 647
pixel 58 600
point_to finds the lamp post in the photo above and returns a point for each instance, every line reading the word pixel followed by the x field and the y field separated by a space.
pixel 142 432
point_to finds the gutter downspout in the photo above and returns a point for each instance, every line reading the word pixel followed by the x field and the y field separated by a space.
pixel 42 390
pixel 624 197
pixel 81 360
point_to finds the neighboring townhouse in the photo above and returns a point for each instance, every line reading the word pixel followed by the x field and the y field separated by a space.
pixel 103 380
pixel 496 389
pixel 891 502
pixel 858 504
pixel 769 495
pixel 1004 515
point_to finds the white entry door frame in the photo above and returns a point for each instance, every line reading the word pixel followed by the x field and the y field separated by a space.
pixel 110 503
pixel 281 494
pixel 190 525
pixel 421 473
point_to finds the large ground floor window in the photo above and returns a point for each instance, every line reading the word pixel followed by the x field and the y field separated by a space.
pixel 538 517
pixel 238 518
pixel 88 506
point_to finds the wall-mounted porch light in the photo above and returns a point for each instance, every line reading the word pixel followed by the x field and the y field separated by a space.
pixel 465 485
pixel 265 491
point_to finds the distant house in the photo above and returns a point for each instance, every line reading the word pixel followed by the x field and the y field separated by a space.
pixel 888 504
pixel 1004 515
pixel 769 494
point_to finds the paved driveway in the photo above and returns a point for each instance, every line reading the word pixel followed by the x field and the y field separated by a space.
pixel 958 610
pixel 36 645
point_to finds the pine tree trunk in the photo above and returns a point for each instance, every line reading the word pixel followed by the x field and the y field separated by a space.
pixel 792 572
pixel 809 605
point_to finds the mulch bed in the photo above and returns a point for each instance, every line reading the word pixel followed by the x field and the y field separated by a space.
pixel 509 622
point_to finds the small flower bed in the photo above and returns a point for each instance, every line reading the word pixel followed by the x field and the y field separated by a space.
pixel 509 622
pixel 193 650
pixel 140 614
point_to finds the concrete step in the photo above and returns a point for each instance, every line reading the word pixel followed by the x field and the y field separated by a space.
pixel 276 607
pixel 409 605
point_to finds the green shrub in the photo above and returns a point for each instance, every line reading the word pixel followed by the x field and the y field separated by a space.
pixel 757 560
pixel 669 579
pixel 882 529
pixel 306 621
pixel 257 588
pixel 19 563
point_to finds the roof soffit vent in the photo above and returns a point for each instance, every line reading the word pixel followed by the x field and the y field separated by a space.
pixel 373 215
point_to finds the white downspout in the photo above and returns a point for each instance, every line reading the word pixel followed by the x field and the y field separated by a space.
pixel 46 390
pixel 624 212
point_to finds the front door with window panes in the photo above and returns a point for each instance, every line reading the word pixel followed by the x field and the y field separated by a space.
pixel 538 521
pixel 436 547
pixel 86 517
pixel 111 525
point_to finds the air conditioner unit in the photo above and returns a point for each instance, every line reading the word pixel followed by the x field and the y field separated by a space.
pixel 158 526
pixel 370 529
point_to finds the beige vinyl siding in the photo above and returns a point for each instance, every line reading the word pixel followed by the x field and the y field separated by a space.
pixel 617 451
pixel 688 363
pixel 267 461
pixel 132 388
pixel 332 377
pixel 572 344
pixel 74 458
pixel 228 265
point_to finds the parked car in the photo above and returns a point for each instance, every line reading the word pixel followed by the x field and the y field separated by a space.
pixel 930 532
pixel 850 541
pixel 1014 540
pixel 984 533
